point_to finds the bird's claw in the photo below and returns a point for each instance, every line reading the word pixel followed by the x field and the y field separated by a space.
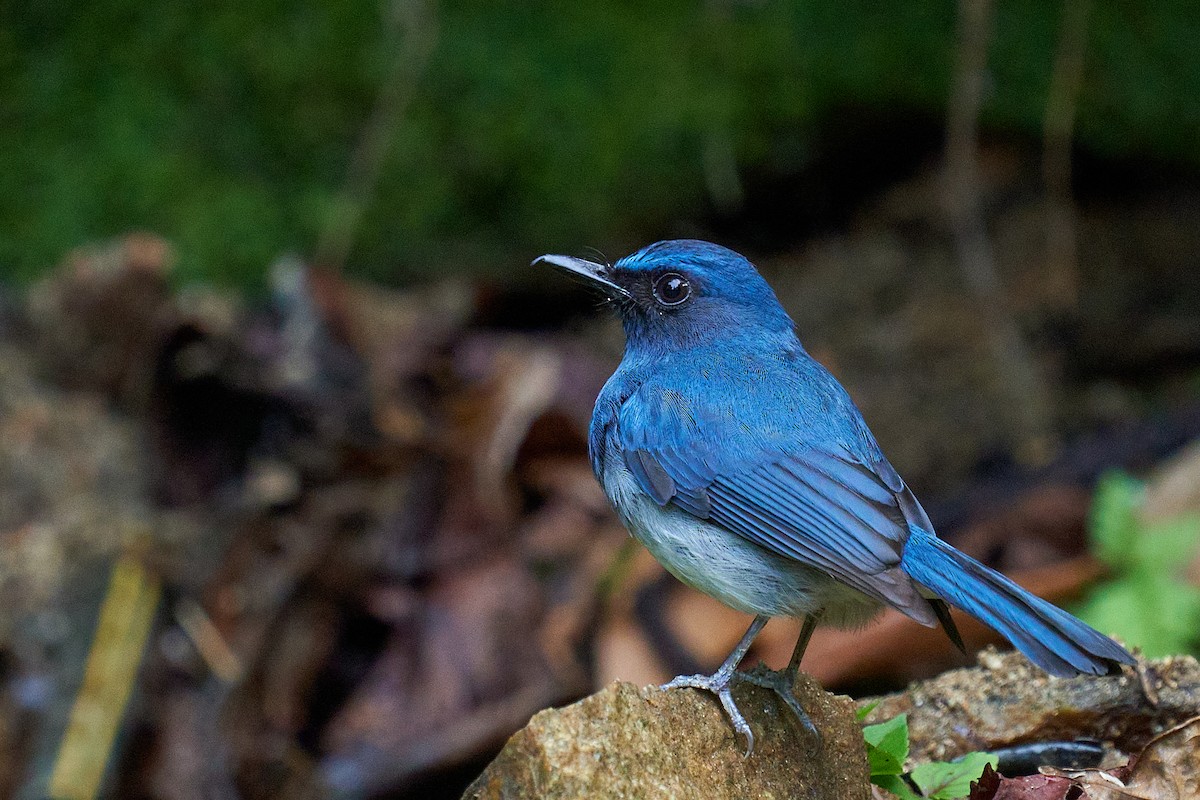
pixel 720 685
pixel 781 684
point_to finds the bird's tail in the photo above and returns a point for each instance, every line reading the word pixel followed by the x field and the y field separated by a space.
pixel 1048 636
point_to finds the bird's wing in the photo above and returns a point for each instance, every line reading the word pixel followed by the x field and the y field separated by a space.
pixel 819 504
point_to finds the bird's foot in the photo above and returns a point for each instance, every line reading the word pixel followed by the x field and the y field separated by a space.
pixel 719 683
pixel 781 683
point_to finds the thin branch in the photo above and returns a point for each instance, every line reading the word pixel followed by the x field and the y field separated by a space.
pixel 1019 375
pixel 413 29
pixel 1058 129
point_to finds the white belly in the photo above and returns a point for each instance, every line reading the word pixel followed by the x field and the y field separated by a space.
pixel 719 563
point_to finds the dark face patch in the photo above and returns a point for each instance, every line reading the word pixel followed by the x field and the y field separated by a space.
pixel 658 290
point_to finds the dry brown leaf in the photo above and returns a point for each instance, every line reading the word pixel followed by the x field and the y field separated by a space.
pixel 1098 784
pixel 1035 787
pixel 1168 768
pixel 1174 489
pixel 994 786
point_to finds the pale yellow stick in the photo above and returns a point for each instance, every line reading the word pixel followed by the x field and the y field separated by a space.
pixel 112 666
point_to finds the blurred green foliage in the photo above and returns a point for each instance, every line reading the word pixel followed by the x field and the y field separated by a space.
pixel 536 126
pixel 1148 603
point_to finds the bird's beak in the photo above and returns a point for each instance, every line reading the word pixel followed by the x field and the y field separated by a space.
pixel 593 272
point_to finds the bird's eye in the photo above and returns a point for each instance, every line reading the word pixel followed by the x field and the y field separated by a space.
pixel 672 289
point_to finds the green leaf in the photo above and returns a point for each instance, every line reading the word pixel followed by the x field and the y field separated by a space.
pixel 896 785
pixel 1169 546
pixel 1146 609
pixel 1146 604
pixel 887 745
pixel 942 781
pixel 866 710
pixel 1113 524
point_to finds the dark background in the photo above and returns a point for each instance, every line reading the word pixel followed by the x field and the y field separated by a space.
pixel 503 132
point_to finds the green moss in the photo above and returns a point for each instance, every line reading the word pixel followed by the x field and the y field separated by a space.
pixel 535 127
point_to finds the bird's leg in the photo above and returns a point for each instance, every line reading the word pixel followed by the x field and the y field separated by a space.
pixel 806 632
pixel 782 683
pixel 719 682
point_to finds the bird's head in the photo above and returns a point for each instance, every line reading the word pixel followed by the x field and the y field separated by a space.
pixel 684 292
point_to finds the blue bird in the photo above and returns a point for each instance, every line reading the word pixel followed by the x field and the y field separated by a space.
pixel 748 472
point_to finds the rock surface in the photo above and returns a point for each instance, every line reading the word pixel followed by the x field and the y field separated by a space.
pixel 1007 701
pixel 626 742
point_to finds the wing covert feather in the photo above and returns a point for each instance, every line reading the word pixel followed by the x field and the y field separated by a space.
pixel 820 506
